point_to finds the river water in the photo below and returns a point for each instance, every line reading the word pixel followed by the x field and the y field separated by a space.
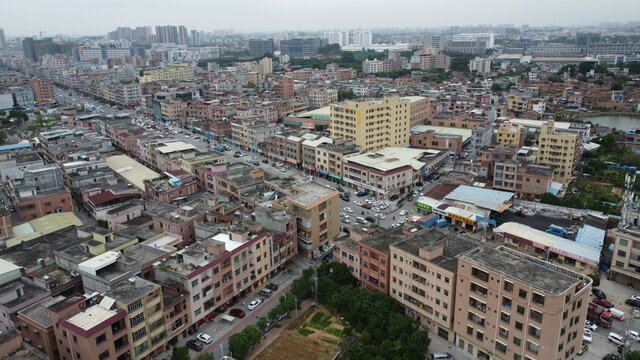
pixel 622 123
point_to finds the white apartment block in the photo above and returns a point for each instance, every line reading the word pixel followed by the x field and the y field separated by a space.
pixel 482 66
pixel 488 37
pixel 361 38
pixel 337 37
pixel 372 66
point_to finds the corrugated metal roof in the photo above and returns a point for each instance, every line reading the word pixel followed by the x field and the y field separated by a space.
pixel 15 146
pixel 591 236
pixel 483 198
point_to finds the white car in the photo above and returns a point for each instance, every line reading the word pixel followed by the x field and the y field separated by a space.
pixel 348 209
pixel 591 326
pixel 381 216
pixel 205 338
pixel 403 220
pixel 586 336
pixel 633 335
pixel 617 339
pixel 344 215
pixel 357 202
pixel 254 304
pixel 376 209
pixel 395 225
pixel 403 212
pixel 635 297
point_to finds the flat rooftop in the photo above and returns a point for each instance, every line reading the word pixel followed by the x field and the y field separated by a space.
pixel 391 158
pixel 131 290
pixel 91 317
pixel 382 240
pixel 430 240
pixel 312 192
pixel 525 269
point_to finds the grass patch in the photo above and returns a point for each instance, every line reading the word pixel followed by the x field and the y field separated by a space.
pixel 342 322
pixel 330 341
pixel 335 332
pixel 305 332
pixel 302 318
pixel 316 326
pixel 317 318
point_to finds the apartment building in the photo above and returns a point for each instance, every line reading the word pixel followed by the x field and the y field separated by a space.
pixel 39 190
pixel 430 139
pixel 317 209
pixel 518 103
pixel 510 134
pixel 423 278
pixel 258 47
pixel 375 260
pixel 284 88
pixel 320 97
pixel 480 65
pixel 174 185
pixel 529 181
pixel 434 61
pixel 480 137
pixel 418 108
pixel 513 306
pixel 173 72
pixel 144 308
pixel 625 263
pixel 561 150
pixel 372 66
pixel 372 123
pixel 173 110
pixel 42 91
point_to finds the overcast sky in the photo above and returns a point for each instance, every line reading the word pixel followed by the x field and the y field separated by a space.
pixel 95 17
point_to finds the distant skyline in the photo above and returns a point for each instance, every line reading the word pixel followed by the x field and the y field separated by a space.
pixel 97 17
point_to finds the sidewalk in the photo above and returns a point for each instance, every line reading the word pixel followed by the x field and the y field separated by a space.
pixel 275 332
pixel 440 346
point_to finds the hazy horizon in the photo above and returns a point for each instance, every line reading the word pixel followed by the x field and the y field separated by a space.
pixel 71 17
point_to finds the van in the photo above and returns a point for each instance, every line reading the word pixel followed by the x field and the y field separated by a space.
pixel 361 220
pixel 266 292
pixel 442 356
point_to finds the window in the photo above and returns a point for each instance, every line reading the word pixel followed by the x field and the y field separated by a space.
pixel 622 253
pixel 538 299
pixel 504 333
pixel 501 347
pixel 99 338
pixel 505 317
pixel 519 325
pixel 479 274
pixel 508 286
pixel 194 283
pixel 535 315
pixel 565 314
pixel 534 331
pixel 506 302
pixel 196 297
pixel 517 341
pixel 533 347
pixel 104 355
pixel 522 294
pixel 623 242
pixel 479 336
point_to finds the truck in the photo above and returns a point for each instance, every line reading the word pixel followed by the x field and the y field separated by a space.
pixel 599 315
pixel 557 231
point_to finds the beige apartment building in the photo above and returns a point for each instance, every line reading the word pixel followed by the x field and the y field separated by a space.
pixel 372 123
pixel 174 110
pixel 625 263
pixel 509 134
pixel 418 109
pixel 317 209
pixel 560 150
pixel 512 306
pixel 423 278
pixel 173 72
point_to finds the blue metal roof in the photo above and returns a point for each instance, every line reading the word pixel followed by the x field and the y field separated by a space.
pixel 14 147
pixel 591 236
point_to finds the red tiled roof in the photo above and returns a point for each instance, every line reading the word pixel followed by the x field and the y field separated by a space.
pixel 439 191
pixel 108 196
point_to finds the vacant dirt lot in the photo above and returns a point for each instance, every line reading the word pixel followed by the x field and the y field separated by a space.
pixel 314 340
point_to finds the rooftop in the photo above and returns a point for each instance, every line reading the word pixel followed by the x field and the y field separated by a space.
pixel 525 269
pixel 311 192
pixel 29 291
pixel 391 158
pixel 91 317
pixel 431 239
pixel 131 170
pixel 484 198
pixel 382 240
pixel 39 313
pixel 131 290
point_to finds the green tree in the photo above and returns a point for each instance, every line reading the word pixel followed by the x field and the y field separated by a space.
pixel 262 324
pixel 207 356
pixel 348 57
pixel 252 334
pixel 141 73
pixel 595 278
pixel 496 87
pixel 346 95
pixel 180 353
pixel 251 85
pixel 634 355
pixel 239 345
pixel 585 67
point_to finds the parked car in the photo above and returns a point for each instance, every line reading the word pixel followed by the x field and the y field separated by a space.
pixel 403 220
pixel 583 349
pixel 194 344
pixel 265 161
pixel 254 304
pixel 599 294
pixel 591 326
pixel 617 339
pixel 636 314
pixel 395 225
pixel 366 206
pixel 205 338
pixel 237 313
pixel 370 219
pixel 394 197
pixel 361 193
pixel 357 202
pixel 586 336
pixel 602 302
pixel 339 189
pixel 348 209
pixel 403 212
pixel 633 335
pixel 635 297
pixel 632 302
